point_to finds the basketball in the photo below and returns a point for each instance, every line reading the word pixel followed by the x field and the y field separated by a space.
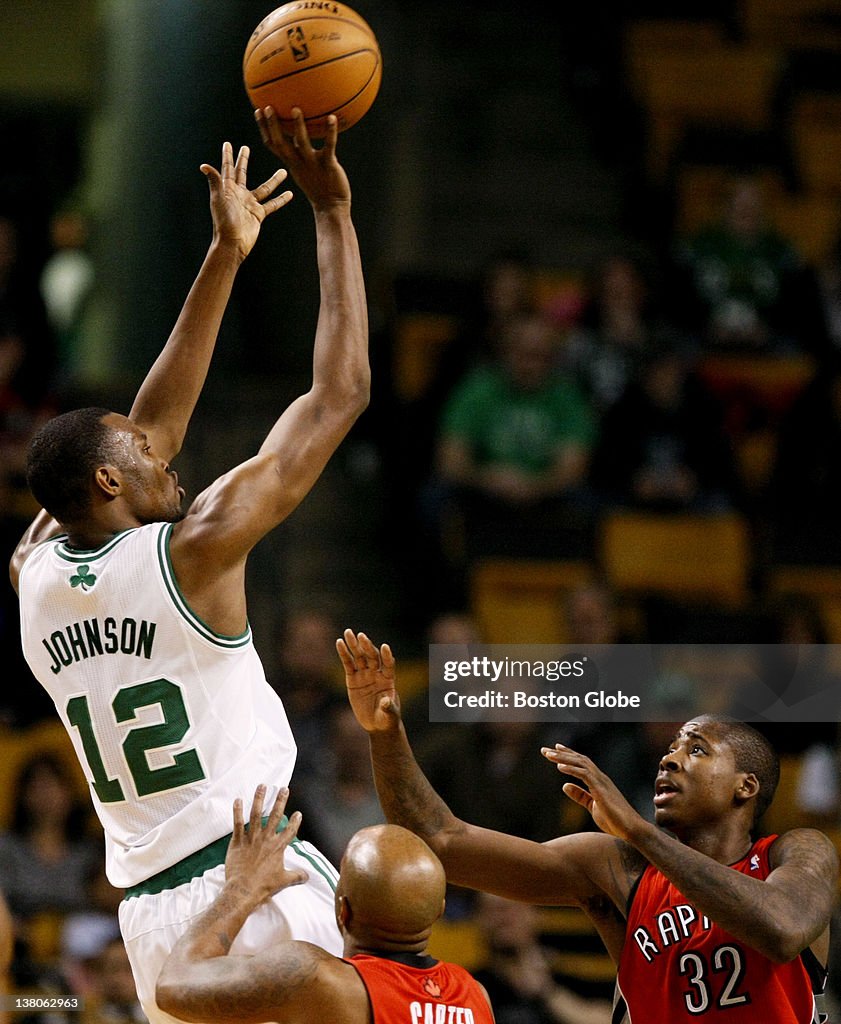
pixel 319 56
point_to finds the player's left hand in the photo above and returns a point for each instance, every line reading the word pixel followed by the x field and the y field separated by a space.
pixel 238 212
pixel 255 859
pixel 608 808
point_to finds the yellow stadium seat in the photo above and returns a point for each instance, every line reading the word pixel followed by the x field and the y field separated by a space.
pixel 647 39
pixel 694 558
pixel 521 600
pixel 817 152
pixel 460 942
pixel 792 24
pixel 420 339
pixel 822 584
pixel 727 86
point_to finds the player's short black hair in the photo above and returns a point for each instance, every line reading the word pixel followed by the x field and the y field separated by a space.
pixel 752 753
pixel 62 456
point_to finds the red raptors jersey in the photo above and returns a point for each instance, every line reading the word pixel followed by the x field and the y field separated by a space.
pixel 439 994
pixel 677 965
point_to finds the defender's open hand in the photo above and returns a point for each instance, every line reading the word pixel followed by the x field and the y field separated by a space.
pixel 255 856
pixel 370 680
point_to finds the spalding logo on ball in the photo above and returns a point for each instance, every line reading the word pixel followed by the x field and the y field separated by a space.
pixel 321 57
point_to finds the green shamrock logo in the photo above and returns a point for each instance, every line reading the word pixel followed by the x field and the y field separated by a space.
pixel 84 578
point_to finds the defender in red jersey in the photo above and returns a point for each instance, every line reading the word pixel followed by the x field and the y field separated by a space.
pixel 390 893
pixel 702 921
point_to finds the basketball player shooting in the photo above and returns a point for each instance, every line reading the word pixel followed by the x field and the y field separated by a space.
pixel 704 921
pixel 133 609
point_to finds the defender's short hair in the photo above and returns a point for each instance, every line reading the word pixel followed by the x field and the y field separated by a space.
pixel 62 457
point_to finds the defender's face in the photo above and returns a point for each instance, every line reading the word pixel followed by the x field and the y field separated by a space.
pixel 149 486
pixel 697 779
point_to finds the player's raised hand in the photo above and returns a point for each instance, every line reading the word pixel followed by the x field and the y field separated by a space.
pixel 238 212
pixel 598 793
pixel 370 679
pixel 317 171
pixel 255 855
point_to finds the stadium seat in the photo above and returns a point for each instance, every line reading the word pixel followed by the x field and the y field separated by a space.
pixel 820 583
pixel 521 600
pixel 420 339
pixel 792 24
pixel 817 153
pixel 692 558
pixel 726 86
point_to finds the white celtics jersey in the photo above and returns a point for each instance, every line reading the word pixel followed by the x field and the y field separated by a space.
pixel 170 721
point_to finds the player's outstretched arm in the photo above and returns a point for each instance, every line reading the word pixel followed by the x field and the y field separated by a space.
pixel 291 981
pixel 168 395
pixel 234 513
pixel 568 871
pixel 779 916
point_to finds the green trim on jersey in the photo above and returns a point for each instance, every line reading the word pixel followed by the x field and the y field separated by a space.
pixel 77 555
pixel 211 856
pixel 180 601
pixel 193 866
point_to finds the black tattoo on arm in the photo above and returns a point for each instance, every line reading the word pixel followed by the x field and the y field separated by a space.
pixel 406 796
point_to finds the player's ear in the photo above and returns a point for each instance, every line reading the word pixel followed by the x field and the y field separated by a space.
pixel 747 787
pixel 343 912
pixel 107 481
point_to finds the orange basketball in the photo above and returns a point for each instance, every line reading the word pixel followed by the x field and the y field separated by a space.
pixel 319 56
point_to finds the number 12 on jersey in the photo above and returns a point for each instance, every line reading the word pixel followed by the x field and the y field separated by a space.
pixel 186 766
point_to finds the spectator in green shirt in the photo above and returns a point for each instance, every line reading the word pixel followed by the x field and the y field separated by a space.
pixel 513 449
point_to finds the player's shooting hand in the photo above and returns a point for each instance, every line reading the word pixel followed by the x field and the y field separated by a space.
pixel 598 794
pixel 255 861
pixel 370 679
pixel 237 211
pixel 317 171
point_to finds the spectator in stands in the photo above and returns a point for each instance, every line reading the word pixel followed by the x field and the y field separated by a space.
pixel 86 933
pixel 453 626
pixel 306 681
pixel 111 997
pixel 604 349
pixel 517 972
pixel 46 855
pixel 65 284
pixel 514 447
pixel 338 797
pixel 804 498
pixel 6 950
pixel 505 292
pixel 662 446
pixel 590 614
pixel 739 283
pixel 508 788
pixel 25 370
pixel 828 278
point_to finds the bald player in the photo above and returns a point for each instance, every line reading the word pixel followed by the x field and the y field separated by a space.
pixel 389 895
